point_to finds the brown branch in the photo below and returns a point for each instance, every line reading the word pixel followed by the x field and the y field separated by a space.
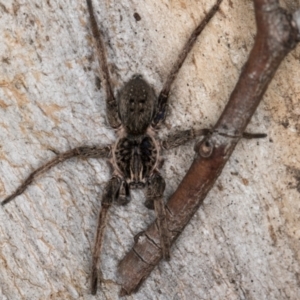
pixel 276 36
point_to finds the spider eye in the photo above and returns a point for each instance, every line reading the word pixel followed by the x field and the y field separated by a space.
pixel 131 101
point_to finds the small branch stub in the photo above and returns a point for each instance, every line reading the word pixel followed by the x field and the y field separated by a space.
pixel 205 148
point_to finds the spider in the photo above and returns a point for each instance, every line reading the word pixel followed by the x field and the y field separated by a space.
pixel 136 115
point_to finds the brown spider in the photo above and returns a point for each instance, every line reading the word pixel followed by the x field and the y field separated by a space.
pixel 135 115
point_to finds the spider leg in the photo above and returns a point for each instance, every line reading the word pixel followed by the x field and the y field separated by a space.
pixel 183 136
pixel 154 198
pixel 81 152
pixel 111 103
pixel 164 94
pixel 110 194
pixel 250 135
pixel 124 194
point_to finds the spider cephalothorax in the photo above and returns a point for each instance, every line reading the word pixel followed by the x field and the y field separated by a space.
pixel 136 155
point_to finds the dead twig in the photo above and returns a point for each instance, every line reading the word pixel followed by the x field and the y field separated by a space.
pixel 277 34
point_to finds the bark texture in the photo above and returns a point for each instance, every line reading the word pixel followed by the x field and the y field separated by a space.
pixel 243 243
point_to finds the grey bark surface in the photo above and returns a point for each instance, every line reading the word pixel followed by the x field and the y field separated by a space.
pixel 243 243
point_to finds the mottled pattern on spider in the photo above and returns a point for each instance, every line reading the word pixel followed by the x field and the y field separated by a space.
pixel 136 115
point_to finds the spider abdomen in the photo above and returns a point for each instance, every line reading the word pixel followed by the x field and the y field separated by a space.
pixel 136 158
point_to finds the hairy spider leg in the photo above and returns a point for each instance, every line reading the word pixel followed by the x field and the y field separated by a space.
pixel 111 102
pixel 164 94
pixel 154 198
pixel 110 194
pixel 81 152
pixel 181 137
